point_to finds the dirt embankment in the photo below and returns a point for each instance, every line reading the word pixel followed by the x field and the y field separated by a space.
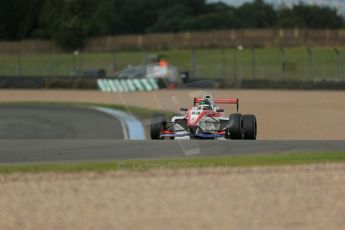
pixel 280 114
pixel 290 197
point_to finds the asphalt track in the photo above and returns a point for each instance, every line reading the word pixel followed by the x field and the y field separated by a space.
pixel 53 121
pixel 55 133
pixel 25 151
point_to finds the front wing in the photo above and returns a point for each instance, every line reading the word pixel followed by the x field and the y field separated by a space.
pixel 167 133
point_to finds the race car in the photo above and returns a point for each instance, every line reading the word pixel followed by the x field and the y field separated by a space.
pixel 205 120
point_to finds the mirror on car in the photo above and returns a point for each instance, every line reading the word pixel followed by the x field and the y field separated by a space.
pixel 184 109
pixel 220 110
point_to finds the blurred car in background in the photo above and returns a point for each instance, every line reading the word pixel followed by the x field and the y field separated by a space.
pixel 159 68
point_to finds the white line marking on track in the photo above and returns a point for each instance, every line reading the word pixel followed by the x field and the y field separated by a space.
pixel 132 128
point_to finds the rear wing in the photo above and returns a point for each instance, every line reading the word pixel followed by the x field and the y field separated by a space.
pixel 234 101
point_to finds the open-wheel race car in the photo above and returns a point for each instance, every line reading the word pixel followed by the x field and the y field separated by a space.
pixel 205 120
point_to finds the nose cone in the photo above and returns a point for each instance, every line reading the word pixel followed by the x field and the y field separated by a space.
pixel 192 121
pixel 195 119
pixel 195 115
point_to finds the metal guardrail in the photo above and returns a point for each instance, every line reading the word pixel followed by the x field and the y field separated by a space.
pixel 133 85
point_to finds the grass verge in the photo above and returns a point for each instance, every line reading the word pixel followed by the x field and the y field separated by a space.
pixel 180 163
pixel 208 63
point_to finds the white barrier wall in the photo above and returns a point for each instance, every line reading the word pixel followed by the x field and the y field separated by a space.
pixel 127 85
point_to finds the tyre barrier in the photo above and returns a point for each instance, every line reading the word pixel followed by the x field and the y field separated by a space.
pixel 127 85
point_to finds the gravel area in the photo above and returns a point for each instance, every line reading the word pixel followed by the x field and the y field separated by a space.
pixel 288 197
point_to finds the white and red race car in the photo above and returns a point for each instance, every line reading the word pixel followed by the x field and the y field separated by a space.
pixel 205 120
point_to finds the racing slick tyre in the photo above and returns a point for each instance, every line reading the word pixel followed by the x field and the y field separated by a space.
pixel 157 124
pixel 249 127
pixel 235 130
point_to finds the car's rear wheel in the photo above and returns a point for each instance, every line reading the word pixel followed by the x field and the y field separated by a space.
pixel 235 130
pixel 157 125
pixel 249 127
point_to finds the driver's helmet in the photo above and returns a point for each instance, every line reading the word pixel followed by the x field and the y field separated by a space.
pixel 205 104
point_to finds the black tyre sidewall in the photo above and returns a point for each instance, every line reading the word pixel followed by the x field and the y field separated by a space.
pixel 249 127
pixel 235 130
pixel 157 124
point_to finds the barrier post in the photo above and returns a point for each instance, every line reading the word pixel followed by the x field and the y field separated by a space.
pixel 310 54
pixel 337 53
pixel 235 66
pixel 283 61
pixel 223 52
pixel 113 66
pixel 80 64
pixel 194 63
pixel 50 63
pixel 253 63
pixel 19 64
pixel 144 52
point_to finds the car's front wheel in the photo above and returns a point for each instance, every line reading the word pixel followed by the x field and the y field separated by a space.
pixel 157 125
pixel 235 129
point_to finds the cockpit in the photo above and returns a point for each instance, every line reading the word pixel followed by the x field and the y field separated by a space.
pixel 205 104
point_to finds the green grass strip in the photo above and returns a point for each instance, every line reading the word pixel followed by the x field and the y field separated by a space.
pixel 180 163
